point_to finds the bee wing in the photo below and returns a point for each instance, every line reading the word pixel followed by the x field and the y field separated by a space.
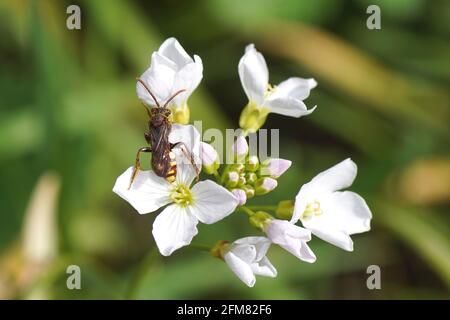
pixel 162 137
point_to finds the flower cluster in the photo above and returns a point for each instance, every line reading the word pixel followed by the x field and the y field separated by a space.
pixel 322 208
pixel 246 176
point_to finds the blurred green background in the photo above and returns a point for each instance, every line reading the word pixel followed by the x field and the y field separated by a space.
pixel 70 123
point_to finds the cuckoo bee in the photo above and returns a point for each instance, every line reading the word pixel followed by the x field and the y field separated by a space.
pixel 163 160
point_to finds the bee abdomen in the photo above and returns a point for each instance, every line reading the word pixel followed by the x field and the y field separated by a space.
pixel 172 172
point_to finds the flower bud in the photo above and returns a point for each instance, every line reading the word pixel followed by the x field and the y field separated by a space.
pixel 240 195
pixel 252 117
pixel 242 181
pixel 238 167
pixel 251 177
pixel 249 191
pixel 260 220
pixel 240 148
pixel 252 163
pixel 265 185
pixel 210 158
pixel 181 115
pixel 230 179
pixel 274 167
pixel 285 209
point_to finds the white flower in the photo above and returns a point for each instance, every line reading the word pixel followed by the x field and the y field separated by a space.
pixel 246 257
pixel 275 167
pixel 291 238
pixel 175 226
pixel 330 214
pixel 171 69
pixel 285 98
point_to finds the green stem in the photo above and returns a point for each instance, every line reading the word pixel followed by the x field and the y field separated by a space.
pixel 244 133
pixel 262 208
pixel 247 210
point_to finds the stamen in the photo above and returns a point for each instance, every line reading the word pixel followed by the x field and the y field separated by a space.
pixel 181 195
pixel 312 209
pixel 269 90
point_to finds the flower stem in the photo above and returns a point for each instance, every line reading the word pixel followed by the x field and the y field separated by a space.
pixel 247 210
pixel 244 133
pixel 268 208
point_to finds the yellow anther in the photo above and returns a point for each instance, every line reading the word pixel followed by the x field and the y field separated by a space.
pixel 312 209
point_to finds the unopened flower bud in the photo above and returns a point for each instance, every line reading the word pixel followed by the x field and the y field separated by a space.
pixel 260 220
pixel 242 181
pixel 252 163
pixel 210 158
pixel 238 167
pixel 265 185
pixel 274 167
pixel 230 179
pixel 285 209
pixel 240 195
pixel 249 191
pixel 240 148
pixel 251 177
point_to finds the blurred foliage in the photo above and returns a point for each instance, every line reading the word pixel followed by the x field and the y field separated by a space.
pixel 68 106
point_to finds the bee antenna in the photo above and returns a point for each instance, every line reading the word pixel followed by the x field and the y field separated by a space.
pixel 173 96
pixel 148 90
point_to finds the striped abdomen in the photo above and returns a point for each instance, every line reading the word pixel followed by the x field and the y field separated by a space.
pixel 172 172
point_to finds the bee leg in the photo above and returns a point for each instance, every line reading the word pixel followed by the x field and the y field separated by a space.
pixel 188 155
pixel 137 164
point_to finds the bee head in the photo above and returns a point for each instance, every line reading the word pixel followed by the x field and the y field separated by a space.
pixel 159 116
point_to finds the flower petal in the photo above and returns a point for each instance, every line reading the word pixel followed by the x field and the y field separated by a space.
pixel 288 106
pixel 240 195
pixel 187 78
pixel 212 202
pixel 329 234
pixel 344 213
pixel 291 238
pixel 159 79
pixel 338 177
pixel 242 270
pixel 351 211
pixel 173 50
pixel 254 74
pixel 185 170
pixel 174 228
pixel 335 178
pixel 147 193
pixel 264 268
pixel 245 252
pixel 188 138
pixel 275 167
pixel 261 245
pixel 297 88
